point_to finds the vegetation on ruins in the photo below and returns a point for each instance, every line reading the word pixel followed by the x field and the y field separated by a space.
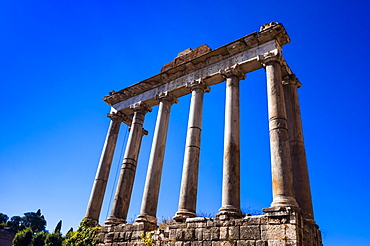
pixel 147 238
pixel 30 229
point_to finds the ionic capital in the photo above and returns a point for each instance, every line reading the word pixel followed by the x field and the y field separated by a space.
pixel 141 107
pixel 291 79
pixel 233 71
pixel 167 96
pixel 198 84
pixel 271 56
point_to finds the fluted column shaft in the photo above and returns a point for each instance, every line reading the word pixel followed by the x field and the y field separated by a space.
pixel 231 165
pixel 297 150
pixel 105 163
pixel 127 175
pixel 189 182
pixel 281 167
pixel 153 179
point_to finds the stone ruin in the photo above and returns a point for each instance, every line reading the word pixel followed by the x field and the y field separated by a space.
pixel 288 221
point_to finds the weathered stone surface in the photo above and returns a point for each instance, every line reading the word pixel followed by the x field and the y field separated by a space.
pixel 273 232
pixel 250 232
pixel 199 234
pixel 185 56
pixel 224 233
pixel 246 243
pixel 234 232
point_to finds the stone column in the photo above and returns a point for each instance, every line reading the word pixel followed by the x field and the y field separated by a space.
pixel 189 182
pixel 149 204
pixel 105 163
pixel 297 150
pixel 127 175
pixel 281 166
pixel 231 167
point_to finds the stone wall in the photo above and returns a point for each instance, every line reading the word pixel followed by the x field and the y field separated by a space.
pixel 285 229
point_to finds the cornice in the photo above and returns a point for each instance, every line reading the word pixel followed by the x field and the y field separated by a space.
pixel 189 60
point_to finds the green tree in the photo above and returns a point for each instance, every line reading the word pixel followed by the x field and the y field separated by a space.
pixel 58 227
pixel 3 218
pixel 54 239
pixel 87 234
pixel 23 237
pixel 39 238
pixel 34 220
pixel 14 223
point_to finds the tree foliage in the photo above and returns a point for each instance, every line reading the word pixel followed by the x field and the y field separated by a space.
pixel 30 230
pixel 87 234
pixel 34 220
pixel 23 237
pixel 3 218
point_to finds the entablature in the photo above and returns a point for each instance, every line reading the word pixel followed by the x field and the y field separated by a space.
pixel 248 53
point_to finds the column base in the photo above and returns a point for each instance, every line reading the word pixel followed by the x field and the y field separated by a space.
pixel 91 222
pixel 228 212
pixel 284 201
pixel 281 211
pixel 115 221
pixel 146 218
pixel 182 215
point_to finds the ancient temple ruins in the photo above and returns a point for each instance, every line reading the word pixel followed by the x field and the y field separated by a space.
pixel 288 221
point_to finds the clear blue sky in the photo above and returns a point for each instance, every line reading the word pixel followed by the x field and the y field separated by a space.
pixel 59 58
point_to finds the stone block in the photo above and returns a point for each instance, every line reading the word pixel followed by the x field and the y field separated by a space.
pixel 272 232
pixel 228 242
pixel 234 232
pixel 246 243
pixel 178 243
pixel 276 243
pixel 250 232
pixel 261 243
pixel 291 232
pixel 224 233
pixel 189 234
pixel 180 234
pixel 215 233
pixel 191 225
pixel 198 234
pixel 207 243
pixel 196 243
pixel 172 234
pixel 274 220
pixel 117 235
pixel 206 234
pixel 228 223
pixel 109 237
pixel 216 243
pixel 251 220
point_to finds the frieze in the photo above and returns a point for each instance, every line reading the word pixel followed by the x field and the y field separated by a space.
pixel 241 59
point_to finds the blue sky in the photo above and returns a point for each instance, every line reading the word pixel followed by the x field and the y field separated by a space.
pixel 59 58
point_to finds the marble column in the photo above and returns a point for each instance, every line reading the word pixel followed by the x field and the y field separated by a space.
pixel 189 182
pixel 297 150
pixel 149 203
pixel 105 163
pixel 281 166
pixel 127 175
pixel 231 167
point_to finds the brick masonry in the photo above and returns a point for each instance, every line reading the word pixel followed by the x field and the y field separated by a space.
pixel 284 229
